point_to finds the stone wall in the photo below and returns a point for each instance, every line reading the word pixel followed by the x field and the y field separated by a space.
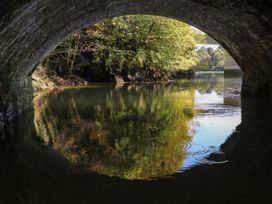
pixel 257 85
pixel 15 97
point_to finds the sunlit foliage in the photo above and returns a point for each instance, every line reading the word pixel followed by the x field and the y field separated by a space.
pixel 141 41
pixel 130 44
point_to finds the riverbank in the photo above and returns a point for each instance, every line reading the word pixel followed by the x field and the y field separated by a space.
pixel 48 79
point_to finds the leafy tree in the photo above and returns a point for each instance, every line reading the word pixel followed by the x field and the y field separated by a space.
pixel 219 57
pixel 204 59
pixel 64 56
pixel 210 58
pixel 130 44
pixel 143 42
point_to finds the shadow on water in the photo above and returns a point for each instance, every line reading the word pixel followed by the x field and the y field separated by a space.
pixel 33 170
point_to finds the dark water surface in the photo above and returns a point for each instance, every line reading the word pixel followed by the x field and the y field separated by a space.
pixel 187 141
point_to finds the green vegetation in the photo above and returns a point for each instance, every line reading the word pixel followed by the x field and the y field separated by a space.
pixel 210 59
pixel 144 42
pixel 136 47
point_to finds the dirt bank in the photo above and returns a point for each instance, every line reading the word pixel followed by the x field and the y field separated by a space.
pixel 44 79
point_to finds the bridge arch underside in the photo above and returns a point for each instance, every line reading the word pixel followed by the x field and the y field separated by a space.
pixel 30 29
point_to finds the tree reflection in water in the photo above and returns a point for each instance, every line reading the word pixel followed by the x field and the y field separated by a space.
pixel 129 133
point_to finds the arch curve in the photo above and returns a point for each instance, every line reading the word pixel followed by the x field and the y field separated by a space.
pixel 31 28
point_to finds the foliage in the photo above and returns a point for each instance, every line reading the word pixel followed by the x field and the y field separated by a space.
pixel 210 59
pixel 219 57
pixel 63 57
pixel 142 41
pixel 130 44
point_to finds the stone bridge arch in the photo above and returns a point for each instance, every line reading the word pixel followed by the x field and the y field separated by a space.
pixel 29 29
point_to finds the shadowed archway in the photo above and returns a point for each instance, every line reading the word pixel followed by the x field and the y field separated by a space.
pixel 29 29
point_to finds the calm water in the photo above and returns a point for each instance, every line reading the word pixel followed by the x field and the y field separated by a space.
pixel 140 131
pixel 181 142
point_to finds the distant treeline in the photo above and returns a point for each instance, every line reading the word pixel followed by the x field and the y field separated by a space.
pixel 210 59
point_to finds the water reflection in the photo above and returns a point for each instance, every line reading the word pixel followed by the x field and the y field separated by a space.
pixel 215 121
pixel 32 172
pixel 130 132
pixel 137 131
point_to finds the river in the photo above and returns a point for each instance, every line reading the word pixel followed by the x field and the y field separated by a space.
pixel 139 131
pixel 188 140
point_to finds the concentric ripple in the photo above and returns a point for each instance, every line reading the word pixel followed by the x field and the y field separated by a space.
pixel 180 148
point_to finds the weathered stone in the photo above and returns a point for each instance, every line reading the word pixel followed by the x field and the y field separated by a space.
pixel 257 85
pixel 15 97
pixel 29 29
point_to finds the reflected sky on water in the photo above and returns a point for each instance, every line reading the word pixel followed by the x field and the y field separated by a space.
pixel 210 128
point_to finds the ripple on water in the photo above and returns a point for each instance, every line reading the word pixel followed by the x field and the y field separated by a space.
pixel 180 148
pixel 198 154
